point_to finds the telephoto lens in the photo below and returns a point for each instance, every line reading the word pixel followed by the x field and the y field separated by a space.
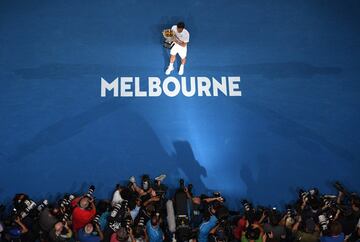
pixel 115 211
pixel 43 205
pixel 30 205
pixel 247 205
pixel 96 220
pixel 323 221
pixel 90 192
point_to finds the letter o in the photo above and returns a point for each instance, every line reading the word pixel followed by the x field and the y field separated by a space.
pixel 166 83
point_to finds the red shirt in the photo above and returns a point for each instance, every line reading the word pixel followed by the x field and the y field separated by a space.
pixel 80 216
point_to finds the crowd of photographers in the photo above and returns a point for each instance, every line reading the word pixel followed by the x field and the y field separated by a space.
pixel 144 211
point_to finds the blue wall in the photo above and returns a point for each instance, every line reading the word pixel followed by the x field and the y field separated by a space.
pixel 297 123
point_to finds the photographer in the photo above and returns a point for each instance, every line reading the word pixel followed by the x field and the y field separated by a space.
pixel 335 233
pixel 117 198
pixel 274 227
pixel 83 212
pixel 254 232
pixel 17 231
pixel 87 234
pixel 206 226
pixel 47 219
pixel 153 230
pixel 60 232
pixel 310 233
pixel 349 213
pixel 355 235
pixel 123 235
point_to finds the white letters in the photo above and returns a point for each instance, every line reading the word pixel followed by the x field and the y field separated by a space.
pixel 204 85
pixel 154 87
pixel 234 86
pixel 172 86
pixel 109 86
pixel 166 89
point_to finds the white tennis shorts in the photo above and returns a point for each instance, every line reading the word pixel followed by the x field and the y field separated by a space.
pixel 178 49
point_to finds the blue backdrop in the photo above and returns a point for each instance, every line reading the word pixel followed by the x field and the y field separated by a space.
pixel 297 123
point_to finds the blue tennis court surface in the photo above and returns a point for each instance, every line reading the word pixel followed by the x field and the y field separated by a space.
pixel 296 123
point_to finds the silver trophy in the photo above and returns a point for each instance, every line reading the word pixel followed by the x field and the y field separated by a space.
pixel 169 37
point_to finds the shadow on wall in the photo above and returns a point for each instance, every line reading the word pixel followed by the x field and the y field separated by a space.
pixel 185 160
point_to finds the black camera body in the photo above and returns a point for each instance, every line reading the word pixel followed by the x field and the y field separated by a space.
pixel 119 216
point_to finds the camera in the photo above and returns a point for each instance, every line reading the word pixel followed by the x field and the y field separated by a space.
pixel 90 192
pixel 42 205
pixel 65 202
pixel 96 220
pixel 247 205
pixel 308 195
pixel 290 211
pixel 323 221
pixel 119 216
pixel 29 206
pixel 140 228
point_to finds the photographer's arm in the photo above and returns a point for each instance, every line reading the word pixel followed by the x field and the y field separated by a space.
pixel 23 228
pixel 340 197
pixel 68 231
pixel 213 230
pixel 131 235
pixel 212 199
pixel 153 199
pixel 146 238
pixel 98 229
pixel 263 216
pixel 295 228
pixel 283 220
pixel 187 193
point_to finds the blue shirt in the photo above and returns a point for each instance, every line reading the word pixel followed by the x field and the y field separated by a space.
pixel 84 237
pixel 205 228
pixel 339 238
pixel 154 234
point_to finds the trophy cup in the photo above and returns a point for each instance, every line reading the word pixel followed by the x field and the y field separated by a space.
pixel 168 38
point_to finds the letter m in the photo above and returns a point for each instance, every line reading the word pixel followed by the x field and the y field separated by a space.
pixel 114 85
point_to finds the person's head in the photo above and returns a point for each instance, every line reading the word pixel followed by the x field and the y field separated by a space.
pixel 196 200
pixel 355 203
pixel 335 228
pixel 59 226
pixel 289 222
pixel 252 233
pixel 89 228
pixel 180 27
pixel 122 234
pixel 84 202
pixel 154 220
pixel 138 201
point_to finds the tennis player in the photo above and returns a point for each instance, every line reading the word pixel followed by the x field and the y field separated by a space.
pixel 181 39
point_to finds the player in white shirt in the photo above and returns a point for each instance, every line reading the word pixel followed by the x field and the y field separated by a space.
pixel 181 40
